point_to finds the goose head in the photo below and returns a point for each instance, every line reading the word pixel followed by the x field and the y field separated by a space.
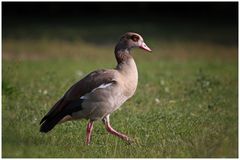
pixel 132 40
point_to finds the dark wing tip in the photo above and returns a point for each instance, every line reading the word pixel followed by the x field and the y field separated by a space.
pixel 43 119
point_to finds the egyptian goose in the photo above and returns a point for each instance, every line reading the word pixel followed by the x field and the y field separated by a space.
pixel 101 92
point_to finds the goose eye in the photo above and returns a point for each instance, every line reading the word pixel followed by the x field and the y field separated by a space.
pixel 135 38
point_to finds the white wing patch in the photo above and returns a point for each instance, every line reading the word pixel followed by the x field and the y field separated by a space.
pixel 103 86
pixel 99 87
pixel 83 97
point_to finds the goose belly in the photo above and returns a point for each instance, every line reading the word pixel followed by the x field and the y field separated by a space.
pixel 100 103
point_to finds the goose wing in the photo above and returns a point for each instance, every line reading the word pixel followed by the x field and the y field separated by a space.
pixel 71 101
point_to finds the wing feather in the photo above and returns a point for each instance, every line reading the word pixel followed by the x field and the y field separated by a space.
pixel 79 89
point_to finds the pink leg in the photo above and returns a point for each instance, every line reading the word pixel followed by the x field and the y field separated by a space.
pixel 89 131
pixel 106 121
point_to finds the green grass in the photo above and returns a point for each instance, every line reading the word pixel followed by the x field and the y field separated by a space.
pixel 185 104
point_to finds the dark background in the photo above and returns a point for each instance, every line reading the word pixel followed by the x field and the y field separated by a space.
pixel 204 12
pixel 90 21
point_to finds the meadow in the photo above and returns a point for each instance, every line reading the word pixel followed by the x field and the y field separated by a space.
pixel 186 104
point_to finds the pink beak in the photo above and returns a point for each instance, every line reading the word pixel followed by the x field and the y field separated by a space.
pixel 145 47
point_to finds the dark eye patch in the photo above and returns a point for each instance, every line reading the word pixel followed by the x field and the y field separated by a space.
pixel 135 38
